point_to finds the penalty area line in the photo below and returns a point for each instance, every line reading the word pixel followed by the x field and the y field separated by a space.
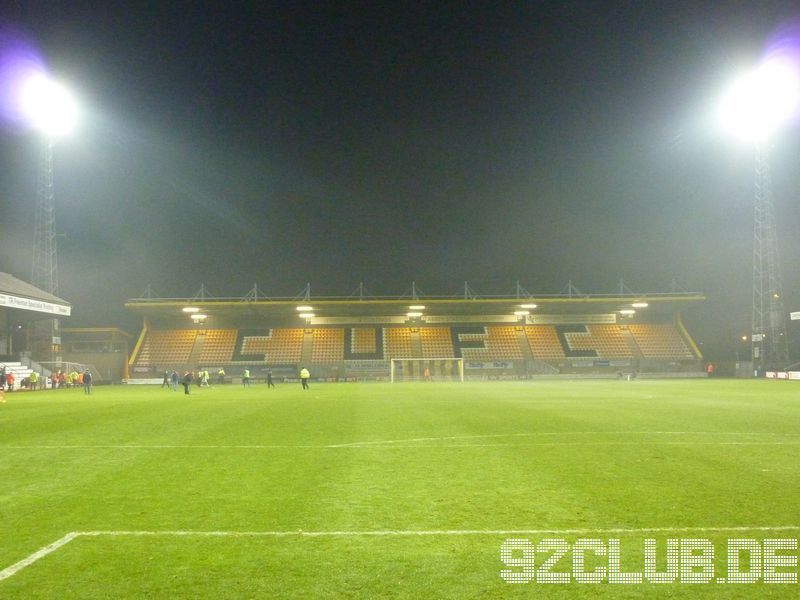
pixel 61 542
pixel 436 532
pixel 41 553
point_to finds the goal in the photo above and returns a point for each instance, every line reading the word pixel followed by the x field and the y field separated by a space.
pixel 427 369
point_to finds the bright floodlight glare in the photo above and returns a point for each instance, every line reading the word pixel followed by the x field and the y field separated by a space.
pixel 413 315
pixel 48 106
pixel 640 305
pixel 199 317
pixel 417 307
pixel 528 305
pixel 627 311
pixel 304 308
pixel 759 102
pixel 190 309
pixel 306 315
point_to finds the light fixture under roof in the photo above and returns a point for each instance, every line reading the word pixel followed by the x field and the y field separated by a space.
pixel 190 309
pixel 416 307
pixel 306 315
pixel 627 312
pixel 305 308
pixel 527 305
pixel 199 317
pixel 640 305
pixel 413 315
pixel 522 313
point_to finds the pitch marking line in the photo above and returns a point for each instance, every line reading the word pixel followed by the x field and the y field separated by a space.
pixel 41 553
pixel 546 433
pixel 61 542
pixel 420 442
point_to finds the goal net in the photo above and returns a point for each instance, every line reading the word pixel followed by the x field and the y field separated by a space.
pixel 427 369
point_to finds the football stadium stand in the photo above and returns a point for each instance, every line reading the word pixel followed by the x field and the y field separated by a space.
pixel 358 339
pixel 327 345
pixel 543 342
pixel 397 343
pixel 436 342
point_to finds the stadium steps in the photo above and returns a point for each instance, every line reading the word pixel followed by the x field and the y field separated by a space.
pixel 308 347
pixel 631 343
pixel 416 343
pixel 20 372
pixel 524 346
pixel 197 348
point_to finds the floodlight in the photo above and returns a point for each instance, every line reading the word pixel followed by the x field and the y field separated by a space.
pixel 48 106
pixel 306 315
pixel 640 305
pixel 199 317
pixel 527 305
pixel 413 315
pixel 190 309
pixel 304 308
pixel 757 103
pixel 416 307
pixel 522 313
pixel 627 312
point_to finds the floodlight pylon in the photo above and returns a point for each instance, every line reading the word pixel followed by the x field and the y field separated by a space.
pixel 46 334
pixel 770 349
pixel 45 250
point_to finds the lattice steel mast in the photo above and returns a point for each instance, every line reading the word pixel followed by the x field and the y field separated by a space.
pixel 46 336
pixel 45 251
pixel 769 341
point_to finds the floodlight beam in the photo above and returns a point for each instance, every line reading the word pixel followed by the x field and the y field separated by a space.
pixel 48 106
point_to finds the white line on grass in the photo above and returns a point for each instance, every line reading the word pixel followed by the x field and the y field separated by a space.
pixel 61 542
pixel 41 553
pixel 549 433
pixel 160 447
pixel 432 532
pixel 421 442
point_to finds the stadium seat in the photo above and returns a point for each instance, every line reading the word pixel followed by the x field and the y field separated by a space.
pixel 327 345
pixel 660 341
pixel 436 342
pixel 397 343
pixel 277 346
pixel 218 346
pixel 166 347
pixel 606 340
pixel 543 342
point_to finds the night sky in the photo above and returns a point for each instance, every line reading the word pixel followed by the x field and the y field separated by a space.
pixel 281 143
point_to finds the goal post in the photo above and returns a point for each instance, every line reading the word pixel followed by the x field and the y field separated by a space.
pixel 426 369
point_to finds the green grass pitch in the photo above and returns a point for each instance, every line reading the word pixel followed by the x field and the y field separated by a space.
pixel 386 491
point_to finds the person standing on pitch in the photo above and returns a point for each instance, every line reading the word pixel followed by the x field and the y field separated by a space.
pixel 246 378
pixel 187 381
pixel 174 380
pixel 221 376
pixel 304 376
pixel 87 382
pixel 270 384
